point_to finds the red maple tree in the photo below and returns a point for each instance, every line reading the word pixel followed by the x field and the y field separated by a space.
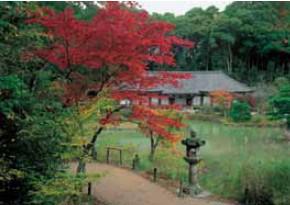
pixel 222 98
pixel 115 48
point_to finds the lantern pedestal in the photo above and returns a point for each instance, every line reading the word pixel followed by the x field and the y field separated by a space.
pixel 192 146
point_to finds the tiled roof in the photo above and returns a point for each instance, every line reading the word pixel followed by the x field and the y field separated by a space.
pixel 204 81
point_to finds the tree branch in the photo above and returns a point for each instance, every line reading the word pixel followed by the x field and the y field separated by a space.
pixel 101 128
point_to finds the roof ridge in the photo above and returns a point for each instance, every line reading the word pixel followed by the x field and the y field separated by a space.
pixel 206 81
pixel 190 71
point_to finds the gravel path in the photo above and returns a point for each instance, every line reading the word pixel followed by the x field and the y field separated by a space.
pixel 123 187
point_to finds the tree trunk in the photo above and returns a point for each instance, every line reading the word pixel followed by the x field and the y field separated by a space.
pixel 230 59
pixel 81 166
pixel 207 57
pixel 152 148
pixel 86 150
pixel 94 152
pixel 207 62
pixel 153 145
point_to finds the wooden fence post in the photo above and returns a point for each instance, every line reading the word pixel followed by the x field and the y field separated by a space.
pixel 117 149
pixel 155 174
pixel 133 164
pixel 89 188
pixel 108 155
pixel 180 193
pixel 120 157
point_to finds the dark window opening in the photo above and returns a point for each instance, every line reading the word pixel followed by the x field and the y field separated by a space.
pixel 171 100
pixel 189 101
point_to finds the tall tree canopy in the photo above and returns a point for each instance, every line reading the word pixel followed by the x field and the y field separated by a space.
pixel 108 52
pixel 31 117
pixel 246 39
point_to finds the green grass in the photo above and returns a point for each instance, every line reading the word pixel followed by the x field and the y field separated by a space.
pixel 235 159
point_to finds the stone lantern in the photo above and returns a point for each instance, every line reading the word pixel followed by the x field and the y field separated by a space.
pixel 192 144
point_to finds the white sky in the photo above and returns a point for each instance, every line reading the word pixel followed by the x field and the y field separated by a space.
pixel 180 7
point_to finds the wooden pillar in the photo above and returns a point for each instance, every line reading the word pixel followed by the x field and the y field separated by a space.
pixel 108 155
pixel 201 99
pixel 159 101
pixel 120 157
pixel 171 99
pixel 189 100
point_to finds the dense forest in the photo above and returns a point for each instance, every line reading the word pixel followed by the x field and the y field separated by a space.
pixel 248 40
pixel 33 130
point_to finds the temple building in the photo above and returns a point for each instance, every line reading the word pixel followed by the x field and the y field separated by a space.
pixel 195 90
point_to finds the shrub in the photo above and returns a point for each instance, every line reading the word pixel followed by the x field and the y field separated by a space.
pixel 265 183
pixel 288 122
pixel 262 93
pixel 218 109
pixel 254 184
pixel 206 109
pixel 222 99
pixel 259 119
pixel 240 112
pixel 32 138
pixel 63 189
pixel 281 81
pixel 281 104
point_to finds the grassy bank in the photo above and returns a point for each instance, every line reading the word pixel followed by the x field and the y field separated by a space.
pixel 243 163
pixel 257 120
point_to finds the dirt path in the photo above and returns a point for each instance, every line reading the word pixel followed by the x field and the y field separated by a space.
pixel 123 187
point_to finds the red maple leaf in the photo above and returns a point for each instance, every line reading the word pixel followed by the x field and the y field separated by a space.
pixel 120 41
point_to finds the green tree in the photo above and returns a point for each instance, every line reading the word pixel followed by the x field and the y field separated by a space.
pixel 240 111
pixel 281 104
pixel 248 40
pixel 32 138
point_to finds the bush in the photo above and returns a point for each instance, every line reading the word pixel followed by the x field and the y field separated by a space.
pixel 262 93
pixel 240 112
pixel 281 104
pixel 206 109
pixel 64 188
pixel 288 122
pixel 254 185
pixel 265 183
pixel 281 81
pixel 219 110
pixel 205 117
